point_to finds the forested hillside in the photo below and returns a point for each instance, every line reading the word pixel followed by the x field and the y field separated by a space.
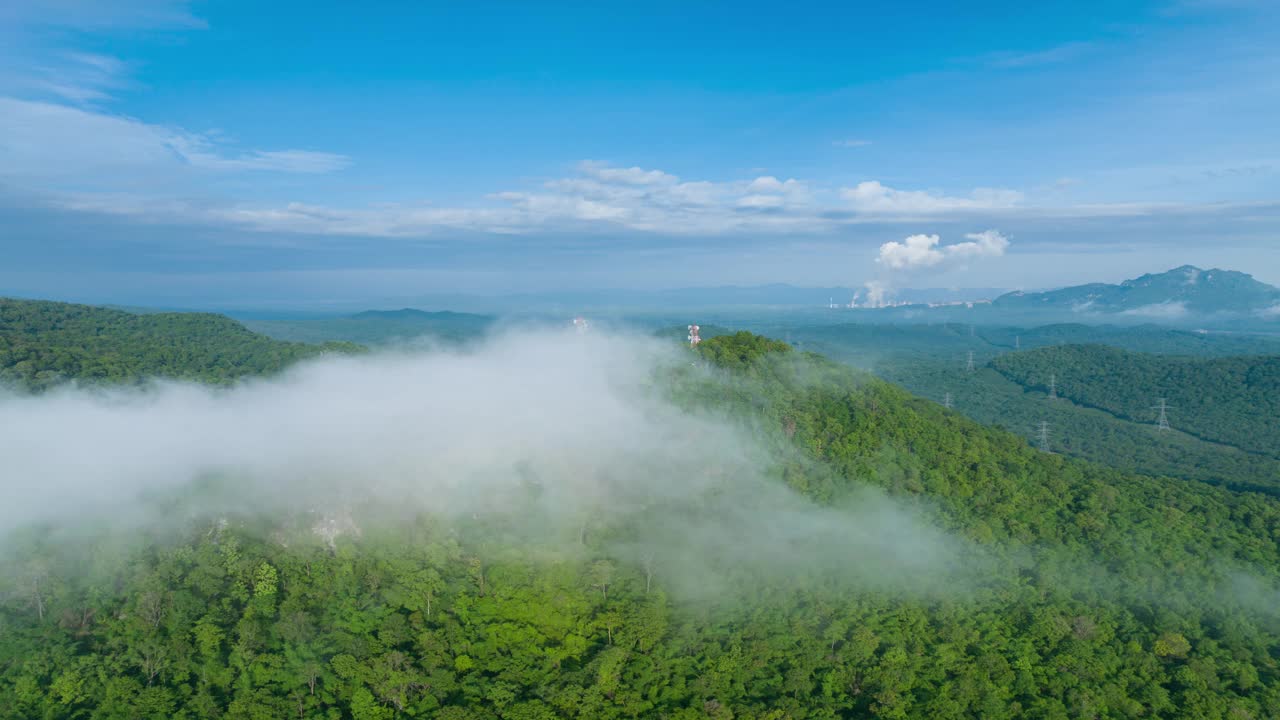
pixel 1073 591
pixel 1233 400
pixel 1089 433
pixel 931 361
pixel 43 344
pixel 872 346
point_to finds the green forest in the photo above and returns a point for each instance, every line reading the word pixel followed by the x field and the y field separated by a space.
pixel 1083 591
pixel 45 344
pixel 931 361
pixel 1230 400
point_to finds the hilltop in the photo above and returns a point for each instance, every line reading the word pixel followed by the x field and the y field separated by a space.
pixel 44 344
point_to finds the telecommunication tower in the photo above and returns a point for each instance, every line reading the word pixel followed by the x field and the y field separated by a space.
pixel 580 324
pixel 1043 436
pixel 1162 423
pixel 693 336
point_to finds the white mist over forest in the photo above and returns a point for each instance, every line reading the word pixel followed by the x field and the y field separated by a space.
pixel 554 429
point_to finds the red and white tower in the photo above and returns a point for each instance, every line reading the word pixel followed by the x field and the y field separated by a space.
pixel 693 336
pixel 580 324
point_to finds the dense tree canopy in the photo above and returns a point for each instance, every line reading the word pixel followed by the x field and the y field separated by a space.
pixel 43 344
pixel 1101 594
pixel 1232 400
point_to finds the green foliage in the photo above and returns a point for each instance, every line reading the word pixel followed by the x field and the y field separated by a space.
pixel 1104 594
pixel 45 344
pixel 1231 400
pixel 929 360
pixel 739 350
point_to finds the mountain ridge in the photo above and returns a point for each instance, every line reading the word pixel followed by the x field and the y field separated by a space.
pixel 1167 295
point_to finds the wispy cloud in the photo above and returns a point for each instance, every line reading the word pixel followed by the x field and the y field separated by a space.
pixel 851 143
pixel 77 77
pixel 871 197
pixel 98 16
pixel 1056 54
pixel 44 145
pixel 95 162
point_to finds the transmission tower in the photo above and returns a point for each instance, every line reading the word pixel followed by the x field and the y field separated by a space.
pixel 1044 436
pixel 1162 423
pixel 580 324
pixel 969 365
pixel 693 336
pixel 1017 342
pixel 1053 386
pixel 946 401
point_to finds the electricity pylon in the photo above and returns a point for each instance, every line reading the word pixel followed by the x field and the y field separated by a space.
pixel 1162 423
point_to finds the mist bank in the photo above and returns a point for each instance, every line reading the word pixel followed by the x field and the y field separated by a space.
pixel 562 443
pixel 550 435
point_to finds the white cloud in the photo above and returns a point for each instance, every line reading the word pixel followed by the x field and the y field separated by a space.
pixel 625 176
pixel 873 197
pixel 42 141
pixel 914 251
pixel 924 251
pixel 851 143
pixel 76 77
pixel 83 158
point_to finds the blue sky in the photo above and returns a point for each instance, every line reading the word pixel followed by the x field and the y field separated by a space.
pixel 237 153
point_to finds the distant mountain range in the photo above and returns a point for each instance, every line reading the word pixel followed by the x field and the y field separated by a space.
pixel 376 327
pixel 1171 295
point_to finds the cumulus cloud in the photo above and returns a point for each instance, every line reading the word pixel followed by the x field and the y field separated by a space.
pixel 924 251
pixel 873 197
